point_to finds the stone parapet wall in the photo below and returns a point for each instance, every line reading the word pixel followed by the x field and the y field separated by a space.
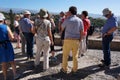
pixel 97 44
pixel 94 43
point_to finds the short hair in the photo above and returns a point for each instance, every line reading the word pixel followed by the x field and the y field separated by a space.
pixel 73 10
pixel 17 16
pixel 62 12
pixel 85 13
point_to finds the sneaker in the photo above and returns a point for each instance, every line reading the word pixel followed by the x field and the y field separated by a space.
pixel 82 55
pixel 74 74
pixel 36 66
pixel 28 58
pixel 104 66
pixel 102 61
pixel 17 76
pixel 63 72
pixel 32 58
pixel 53 59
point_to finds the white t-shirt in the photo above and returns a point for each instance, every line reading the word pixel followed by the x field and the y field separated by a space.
pixel 16 23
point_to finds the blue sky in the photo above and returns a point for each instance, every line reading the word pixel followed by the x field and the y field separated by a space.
pixel 92 6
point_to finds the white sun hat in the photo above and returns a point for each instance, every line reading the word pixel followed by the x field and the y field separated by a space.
pixel 26 12
pixel 2 17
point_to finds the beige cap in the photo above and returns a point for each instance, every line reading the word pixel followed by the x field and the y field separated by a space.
pixel 2 17
pixel 106 11
pixel 43 13
pixel 26 12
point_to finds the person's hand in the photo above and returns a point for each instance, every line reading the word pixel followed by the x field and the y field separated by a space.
pixel 32 22
pixel 105 34
pixel 60 33
pixel 52 43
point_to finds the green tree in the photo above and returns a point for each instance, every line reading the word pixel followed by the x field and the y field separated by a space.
pixel 97 22
pixel 56 19
pixel 11 17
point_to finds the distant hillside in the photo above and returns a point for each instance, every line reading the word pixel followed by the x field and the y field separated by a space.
pixel 19 10
pixel 16 10
pixel 95 15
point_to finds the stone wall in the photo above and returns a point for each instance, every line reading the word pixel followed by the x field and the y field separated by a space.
pixel 94 43
pixel 97 44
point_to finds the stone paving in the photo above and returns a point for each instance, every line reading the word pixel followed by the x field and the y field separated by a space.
pixel 88 69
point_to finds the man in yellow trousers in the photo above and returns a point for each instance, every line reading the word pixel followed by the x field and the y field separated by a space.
pixel 73 34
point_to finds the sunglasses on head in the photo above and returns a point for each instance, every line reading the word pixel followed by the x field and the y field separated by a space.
pixel 106 15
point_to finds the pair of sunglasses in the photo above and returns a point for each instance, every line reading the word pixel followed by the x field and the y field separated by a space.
pixel 106 15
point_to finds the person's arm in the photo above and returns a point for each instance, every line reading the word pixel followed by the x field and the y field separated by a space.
pixel 81 30
pixel 50 36
pixel 63 26
pixel 33 30
pixel 50 33
pixel 53 23
pixel 20 29
pixel 59 26
pixel 81 34
pixel 10 34
pixel 33 27
pixel 110 31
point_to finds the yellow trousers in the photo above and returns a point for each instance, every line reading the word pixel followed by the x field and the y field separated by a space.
pixel 70 45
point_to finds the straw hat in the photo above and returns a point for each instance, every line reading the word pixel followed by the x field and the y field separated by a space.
pixel 43 13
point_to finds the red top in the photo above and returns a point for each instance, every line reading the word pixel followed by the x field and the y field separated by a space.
pixel 86 23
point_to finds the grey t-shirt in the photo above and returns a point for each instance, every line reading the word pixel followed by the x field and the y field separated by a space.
pixel 72 26
pixel 42 27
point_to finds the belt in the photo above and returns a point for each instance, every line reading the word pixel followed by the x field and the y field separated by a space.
pixel 108 35
pixel 71 39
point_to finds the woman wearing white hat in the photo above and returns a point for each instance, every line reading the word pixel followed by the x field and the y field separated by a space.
pixel 6 49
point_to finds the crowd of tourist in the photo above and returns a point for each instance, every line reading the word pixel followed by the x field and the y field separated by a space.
pixel 73 30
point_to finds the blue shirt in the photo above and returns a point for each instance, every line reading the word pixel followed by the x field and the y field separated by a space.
pixel 25 25
pixel 72 26
pixel 110 23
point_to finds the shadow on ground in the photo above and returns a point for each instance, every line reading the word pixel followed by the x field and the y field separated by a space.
pixel 26 68
pixel 80 74
pixel 113 72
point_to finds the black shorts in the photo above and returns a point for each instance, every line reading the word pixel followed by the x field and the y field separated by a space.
pixel 17 30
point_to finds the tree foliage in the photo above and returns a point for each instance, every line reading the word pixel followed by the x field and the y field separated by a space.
pixel 97 22
pixel 11 17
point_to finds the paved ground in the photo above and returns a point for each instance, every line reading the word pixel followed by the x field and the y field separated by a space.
pixel 88 69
